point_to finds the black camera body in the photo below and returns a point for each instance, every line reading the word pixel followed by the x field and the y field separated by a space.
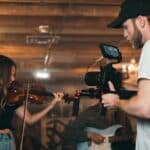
pixel 108 72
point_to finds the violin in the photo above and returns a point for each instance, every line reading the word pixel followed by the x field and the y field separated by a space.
pixel 36 94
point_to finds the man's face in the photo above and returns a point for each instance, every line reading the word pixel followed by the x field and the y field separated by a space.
pixel 132 33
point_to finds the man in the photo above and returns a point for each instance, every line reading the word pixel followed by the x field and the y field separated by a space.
pixel 134 18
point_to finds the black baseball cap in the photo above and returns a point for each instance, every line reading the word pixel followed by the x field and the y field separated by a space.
pixel 131 9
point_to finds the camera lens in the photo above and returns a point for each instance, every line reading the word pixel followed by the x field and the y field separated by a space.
pixel 92 78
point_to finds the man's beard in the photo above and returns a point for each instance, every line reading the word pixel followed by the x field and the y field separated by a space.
pixel 137 38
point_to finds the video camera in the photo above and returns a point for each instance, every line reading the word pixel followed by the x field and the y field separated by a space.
pixel 100 79
pixel 108 72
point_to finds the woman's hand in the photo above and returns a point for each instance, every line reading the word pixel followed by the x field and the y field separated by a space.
pixel 58 96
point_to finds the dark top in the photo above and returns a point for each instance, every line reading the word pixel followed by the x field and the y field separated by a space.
pixel 75 131
pixel 6 115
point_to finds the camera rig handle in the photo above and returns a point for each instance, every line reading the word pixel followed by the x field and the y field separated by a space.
pixel 108 73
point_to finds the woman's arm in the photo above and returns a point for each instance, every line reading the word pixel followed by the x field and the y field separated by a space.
pixel 32 118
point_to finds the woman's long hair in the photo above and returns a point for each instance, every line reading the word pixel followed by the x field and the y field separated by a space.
pixel 5 73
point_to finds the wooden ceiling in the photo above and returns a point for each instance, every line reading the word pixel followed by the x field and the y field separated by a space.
pixel 67 31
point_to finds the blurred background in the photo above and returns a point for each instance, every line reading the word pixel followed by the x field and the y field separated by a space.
pixel 53 43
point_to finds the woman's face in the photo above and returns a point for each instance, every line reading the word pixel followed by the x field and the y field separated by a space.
pixel 12 73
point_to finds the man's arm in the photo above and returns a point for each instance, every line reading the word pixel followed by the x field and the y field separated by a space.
pixel 138 106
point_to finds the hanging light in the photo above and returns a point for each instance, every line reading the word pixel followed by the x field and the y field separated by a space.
pixel 43 28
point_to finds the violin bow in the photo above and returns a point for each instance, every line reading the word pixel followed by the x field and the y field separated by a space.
pixel 25 110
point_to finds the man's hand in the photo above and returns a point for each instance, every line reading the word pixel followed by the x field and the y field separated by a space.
pixel 97 138
pixel 110 100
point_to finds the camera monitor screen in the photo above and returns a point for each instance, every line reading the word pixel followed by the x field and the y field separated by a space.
pixel 110 52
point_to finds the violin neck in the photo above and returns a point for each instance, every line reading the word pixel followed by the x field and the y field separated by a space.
pixel 40 92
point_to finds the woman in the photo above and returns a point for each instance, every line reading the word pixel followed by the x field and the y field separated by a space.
pixel 7 76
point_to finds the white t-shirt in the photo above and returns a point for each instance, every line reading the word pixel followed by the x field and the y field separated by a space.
pixel 143 126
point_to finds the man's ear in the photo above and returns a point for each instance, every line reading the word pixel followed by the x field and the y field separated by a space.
pixel 141 21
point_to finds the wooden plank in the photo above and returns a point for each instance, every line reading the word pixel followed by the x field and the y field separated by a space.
pixel 57 21
pixel 20 39
pixel 29 52
pixel 77 56
pixel 61 30
pixel 58 10
pixel 65 41
pixel 112 2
